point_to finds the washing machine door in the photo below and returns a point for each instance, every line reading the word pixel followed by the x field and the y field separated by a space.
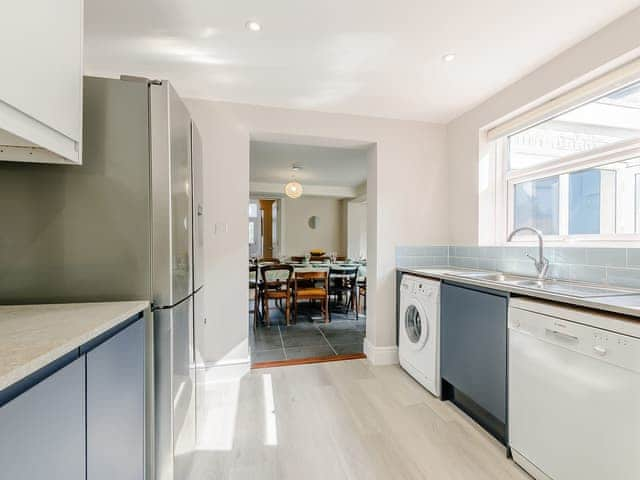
pixel 416 324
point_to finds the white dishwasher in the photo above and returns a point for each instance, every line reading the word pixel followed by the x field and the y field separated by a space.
pixel 574 392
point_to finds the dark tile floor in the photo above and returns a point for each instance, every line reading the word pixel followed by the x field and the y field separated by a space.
pixel 309 337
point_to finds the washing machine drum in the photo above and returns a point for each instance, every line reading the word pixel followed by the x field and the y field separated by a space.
pixel 416 324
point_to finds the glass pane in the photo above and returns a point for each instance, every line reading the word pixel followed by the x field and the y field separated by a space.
pixel 607 120
pixel 592 202
pixel 536 204
pixel 253 210
pixel 252 233
pixel 413 324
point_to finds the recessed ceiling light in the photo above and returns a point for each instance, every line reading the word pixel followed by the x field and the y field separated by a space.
pixel 449 57
pixel 253 26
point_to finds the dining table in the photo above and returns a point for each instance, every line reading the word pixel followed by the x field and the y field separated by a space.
pixel 281 275
pixel 315 267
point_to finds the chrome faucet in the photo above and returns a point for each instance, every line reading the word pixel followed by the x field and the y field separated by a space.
pixel 542 263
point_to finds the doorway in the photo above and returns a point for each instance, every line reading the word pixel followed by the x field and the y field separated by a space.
pixel 314 246
pixel 264 228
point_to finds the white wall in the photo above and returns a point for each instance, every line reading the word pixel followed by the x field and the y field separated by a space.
pixel 614 45
pixel 356 229
pixel 329 234
pixel 406 185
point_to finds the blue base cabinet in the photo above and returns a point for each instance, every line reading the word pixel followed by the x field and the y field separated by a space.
pixel 473 345
pixel 42 431
pixel 83 416
pixel 116 406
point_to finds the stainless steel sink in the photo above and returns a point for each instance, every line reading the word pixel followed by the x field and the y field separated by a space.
pixel 570 289
pixel 552 286
pixel 491 276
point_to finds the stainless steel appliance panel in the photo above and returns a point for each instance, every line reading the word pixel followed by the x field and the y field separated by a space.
pixel 174 391
pixel 198 207
pixel 199 323
pixel 171 202
pixel 82 233
pixel 184 389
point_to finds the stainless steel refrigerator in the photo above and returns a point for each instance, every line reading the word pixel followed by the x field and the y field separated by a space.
pixel 127 224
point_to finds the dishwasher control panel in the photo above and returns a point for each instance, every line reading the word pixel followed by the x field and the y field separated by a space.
pixel 614 348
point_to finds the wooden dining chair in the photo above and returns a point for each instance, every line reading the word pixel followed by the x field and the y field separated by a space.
pixel 362 294
pixel 311 286
pixel 255 287
pixel 342 282
pixel 276 285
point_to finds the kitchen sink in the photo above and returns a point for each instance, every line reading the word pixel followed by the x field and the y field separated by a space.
pixel 549 285
pixel 491 276
pixel 570 289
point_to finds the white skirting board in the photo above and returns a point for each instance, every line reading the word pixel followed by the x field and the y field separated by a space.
pixel 381 355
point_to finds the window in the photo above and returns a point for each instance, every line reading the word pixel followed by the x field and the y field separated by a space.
pixel 576 176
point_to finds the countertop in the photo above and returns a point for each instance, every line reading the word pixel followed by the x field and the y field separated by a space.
pixel 33 336
pixel 624 304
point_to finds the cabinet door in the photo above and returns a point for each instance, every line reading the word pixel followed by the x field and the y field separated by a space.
pixel 115 406
pixel 474 346
pixel 42 431
pixel 41 81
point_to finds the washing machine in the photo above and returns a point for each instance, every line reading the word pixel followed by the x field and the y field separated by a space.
pixel 419 330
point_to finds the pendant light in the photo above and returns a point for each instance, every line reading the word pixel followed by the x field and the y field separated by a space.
pixel 293 189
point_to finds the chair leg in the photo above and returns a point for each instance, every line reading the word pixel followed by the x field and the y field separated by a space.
pixel 256 307
pixel 357 300
pixel 287 302
pixel 265 309
pixel 295 309
pixel 327 314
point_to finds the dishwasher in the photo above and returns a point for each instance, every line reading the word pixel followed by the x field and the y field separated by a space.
pixel 574 392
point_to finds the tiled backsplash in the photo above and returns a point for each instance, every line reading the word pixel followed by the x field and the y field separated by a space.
pixel 612 266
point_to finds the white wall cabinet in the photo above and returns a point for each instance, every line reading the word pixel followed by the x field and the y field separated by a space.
pixel 41 81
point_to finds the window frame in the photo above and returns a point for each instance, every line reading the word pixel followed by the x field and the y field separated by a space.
pixel 506 181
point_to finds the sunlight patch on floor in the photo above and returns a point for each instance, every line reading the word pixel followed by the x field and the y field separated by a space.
pixel 270 426
pixel 217 419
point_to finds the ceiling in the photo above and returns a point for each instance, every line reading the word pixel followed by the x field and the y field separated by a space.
pixel 366 57
pixel 326 166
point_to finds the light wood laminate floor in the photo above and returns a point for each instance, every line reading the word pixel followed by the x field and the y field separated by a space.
pixel 340 420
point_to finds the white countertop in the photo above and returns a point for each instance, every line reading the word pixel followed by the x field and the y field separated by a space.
pixel 624 305
pixel 32 336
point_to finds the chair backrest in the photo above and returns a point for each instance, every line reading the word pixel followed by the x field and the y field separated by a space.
pixel 274 277
pixel 349 274
pixel 320 275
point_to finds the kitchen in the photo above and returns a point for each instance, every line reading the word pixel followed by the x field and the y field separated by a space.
pixel 85 162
